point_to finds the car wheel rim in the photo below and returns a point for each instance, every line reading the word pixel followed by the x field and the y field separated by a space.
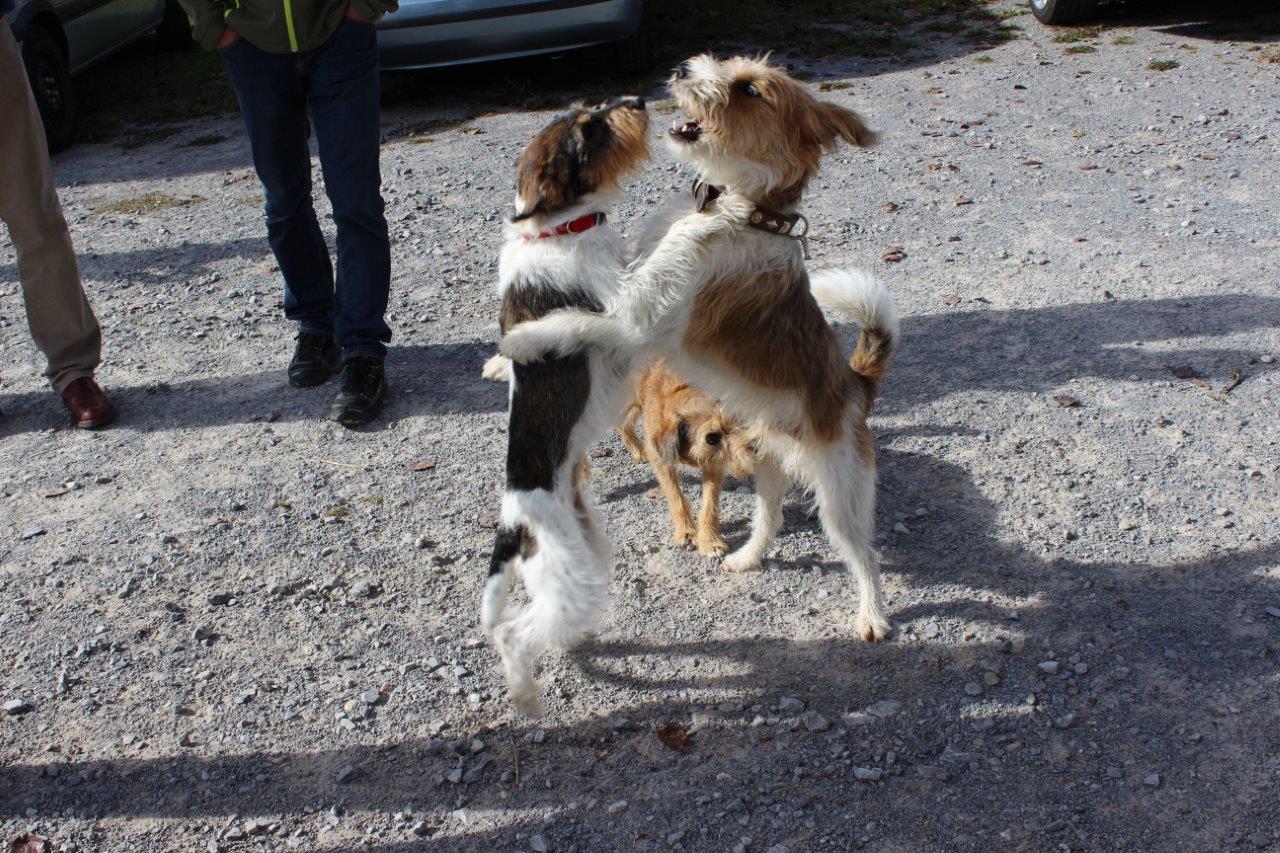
pixel 1040 4
pixel 48 86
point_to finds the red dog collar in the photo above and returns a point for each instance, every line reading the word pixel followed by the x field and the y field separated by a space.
pixel 576 226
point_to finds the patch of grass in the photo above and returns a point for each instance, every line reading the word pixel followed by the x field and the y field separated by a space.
pixel 148 203
pixel 1080 48
pixel 983 59
pixel 1124 40
pixel 1270 56
pixel 1162 64
pixel 144 85
pixel 834 85
pixel 420 131
pixel 663 105
pixel 205 140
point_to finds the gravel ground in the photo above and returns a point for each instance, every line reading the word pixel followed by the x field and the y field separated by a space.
pixel 229 625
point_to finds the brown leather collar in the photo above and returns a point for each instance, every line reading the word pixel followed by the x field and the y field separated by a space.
pixel 762 218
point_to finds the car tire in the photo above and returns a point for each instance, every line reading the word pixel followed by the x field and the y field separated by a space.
pixel 632 55
pixel 50 76
pixel 1063 11
pixel 174 32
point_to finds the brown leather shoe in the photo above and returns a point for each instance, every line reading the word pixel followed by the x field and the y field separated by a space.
pixel 89 407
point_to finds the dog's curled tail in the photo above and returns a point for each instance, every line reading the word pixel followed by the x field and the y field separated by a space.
pixel 556 547
pixel 864 299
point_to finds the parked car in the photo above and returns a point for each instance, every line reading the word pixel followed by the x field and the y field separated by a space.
pixel 1063 11
pixel 433 33
pixel 59 38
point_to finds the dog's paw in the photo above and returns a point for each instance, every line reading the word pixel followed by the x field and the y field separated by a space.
pixel 527 701
pixel 684 537
pixel 740 562
pixel 712 546
pixel 497 368
pixel 873 628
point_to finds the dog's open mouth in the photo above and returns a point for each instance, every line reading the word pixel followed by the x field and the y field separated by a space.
pixel 689 131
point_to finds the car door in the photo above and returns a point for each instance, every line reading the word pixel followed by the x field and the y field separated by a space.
pixel 97 27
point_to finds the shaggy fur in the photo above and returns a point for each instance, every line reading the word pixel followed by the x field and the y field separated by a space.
pixel 549 535
pixel 734 311
pixel 682 425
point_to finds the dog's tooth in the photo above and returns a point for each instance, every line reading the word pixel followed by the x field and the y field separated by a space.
pixel 675 126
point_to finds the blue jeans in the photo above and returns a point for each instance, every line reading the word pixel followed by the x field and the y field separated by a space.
pixel 338 83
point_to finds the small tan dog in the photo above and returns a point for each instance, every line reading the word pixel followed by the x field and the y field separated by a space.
pixel 682 425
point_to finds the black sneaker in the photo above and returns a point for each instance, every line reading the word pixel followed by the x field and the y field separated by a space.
pixel 364 386
pixel 315 359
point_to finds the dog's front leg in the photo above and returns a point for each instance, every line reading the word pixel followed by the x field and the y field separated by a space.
pixel 566 332
pixel 709 542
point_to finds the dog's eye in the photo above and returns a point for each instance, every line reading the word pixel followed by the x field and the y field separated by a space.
pixel 713 439
pixel 751 90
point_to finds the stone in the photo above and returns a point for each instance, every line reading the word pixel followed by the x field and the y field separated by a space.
pixel 790 705
pixel 346 773
pixel 1152 780
pixel 538 844
pixel 867 774
pixel 1066 721
pixel 1048 667
pixel 857 718
pixel 16 707
pixel 973 688
pixel 617 807
pixel 885 708
pixel 815 722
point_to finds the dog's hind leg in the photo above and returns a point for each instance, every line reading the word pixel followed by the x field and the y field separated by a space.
pixel 845 486
pixel 771 486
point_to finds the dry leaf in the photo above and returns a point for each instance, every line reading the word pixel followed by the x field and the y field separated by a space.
pixel 1183 371
pixel 891 206
pixel 31 843
pixel 894 255
pixel 951 299
pixel 54 493
pixel 339 511
pixel 490 523
pixel 422 465
pixel 1066 401
pixel 1087 167
pixel 673 736
pixel 962 200
pixel 1032 163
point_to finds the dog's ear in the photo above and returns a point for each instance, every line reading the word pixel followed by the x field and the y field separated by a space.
pixel 837 122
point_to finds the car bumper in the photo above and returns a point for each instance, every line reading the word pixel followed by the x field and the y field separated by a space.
pixel 431 33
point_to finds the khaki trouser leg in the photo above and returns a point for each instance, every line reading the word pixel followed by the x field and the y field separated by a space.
pixel 61 321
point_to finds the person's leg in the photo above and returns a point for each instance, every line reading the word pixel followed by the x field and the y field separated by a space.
pixel 343 95
pixel 271 89
pixel 62 323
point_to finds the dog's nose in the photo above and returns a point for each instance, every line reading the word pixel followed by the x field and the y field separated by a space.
pixel 713 439
pixel 682 71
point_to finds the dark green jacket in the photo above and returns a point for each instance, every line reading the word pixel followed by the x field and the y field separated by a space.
pixel 278 26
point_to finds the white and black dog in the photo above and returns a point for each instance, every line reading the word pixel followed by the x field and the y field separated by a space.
pixel 724 296
pixel 559 253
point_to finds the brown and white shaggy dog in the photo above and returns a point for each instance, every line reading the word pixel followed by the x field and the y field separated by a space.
pixel 725 297
pixel 683 426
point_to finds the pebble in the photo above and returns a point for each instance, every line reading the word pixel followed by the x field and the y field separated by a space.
pixel 1152 780
pixel 973 688
pixel 815 722
pixel 1066 721
pixel 347 773
pixel 370 697
pixel 1048 667
pixel 867 774
pixel 1274 611
pixel 538 844
pixel 857 718
pixel 15 707
pixel 420 828
pixel 790 705
pixel 885 708
pixel 617 807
